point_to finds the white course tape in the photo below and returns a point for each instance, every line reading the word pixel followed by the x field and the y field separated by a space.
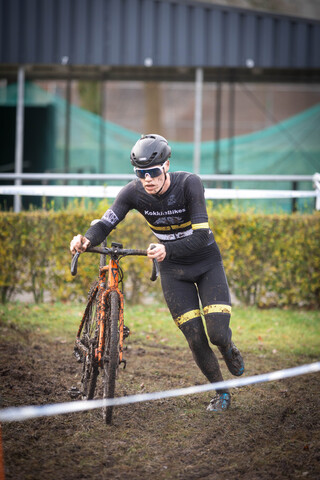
pixel 14 414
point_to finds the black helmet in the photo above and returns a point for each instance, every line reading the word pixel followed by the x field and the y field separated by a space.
pixel 150 150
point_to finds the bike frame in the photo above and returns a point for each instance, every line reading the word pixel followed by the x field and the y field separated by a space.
pixel 92 346
pixel 106 287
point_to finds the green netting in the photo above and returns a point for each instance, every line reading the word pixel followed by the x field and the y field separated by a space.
pixel 289 147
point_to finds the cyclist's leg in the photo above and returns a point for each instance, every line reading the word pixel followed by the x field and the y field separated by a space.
pixel 215 298
pixel 183 302
pixel 216 302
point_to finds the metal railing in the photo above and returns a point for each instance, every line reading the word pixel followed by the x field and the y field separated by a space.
pixel 130 176
pixel 105 191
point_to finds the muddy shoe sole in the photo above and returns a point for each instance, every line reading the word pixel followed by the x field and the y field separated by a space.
pixel 220 403
pixel 233 359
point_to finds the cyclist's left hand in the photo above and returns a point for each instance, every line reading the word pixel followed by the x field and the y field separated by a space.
pixel 157 251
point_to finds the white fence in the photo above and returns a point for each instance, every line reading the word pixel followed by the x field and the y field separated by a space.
pixel 104 191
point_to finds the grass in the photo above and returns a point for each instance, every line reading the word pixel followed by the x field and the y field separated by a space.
pixel 283 332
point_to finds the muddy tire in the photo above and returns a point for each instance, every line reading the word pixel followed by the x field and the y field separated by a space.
pixel 111 357
pixel 90 337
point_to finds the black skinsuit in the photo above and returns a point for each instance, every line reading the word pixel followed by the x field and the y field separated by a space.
pixel 193 266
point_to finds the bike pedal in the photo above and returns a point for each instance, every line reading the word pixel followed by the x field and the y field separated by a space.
pixel 74 392
pixel 126 331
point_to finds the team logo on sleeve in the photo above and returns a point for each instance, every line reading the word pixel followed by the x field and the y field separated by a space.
pixel 110 217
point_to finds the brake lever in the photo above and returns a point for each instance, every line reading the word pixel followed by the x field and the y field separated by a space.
pixel 74 264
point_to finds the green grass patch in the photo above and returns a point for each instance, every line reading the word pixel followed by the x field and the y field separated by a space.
pixel 275 331
pixel 57 320
pixel 290 332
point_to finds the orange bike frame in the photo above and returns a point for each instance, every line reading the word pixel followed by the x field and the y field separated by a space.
pixel 112 284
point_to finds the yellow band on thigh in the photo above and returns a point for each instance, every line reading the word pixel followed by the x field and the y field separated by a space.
pixel 185 317
pixel 217 309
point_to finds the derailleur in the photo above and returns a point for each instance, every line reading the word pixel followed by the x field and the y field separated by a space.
pixel 78 354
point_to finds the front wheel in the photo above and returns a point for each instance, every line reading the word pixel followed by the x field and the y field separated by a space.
pixel 89 339
pixel 111 356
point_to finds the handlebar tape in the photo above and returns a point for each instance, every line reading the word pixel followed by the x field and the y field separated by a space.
pixel 155 270
pixel 74 264
pixel 155 266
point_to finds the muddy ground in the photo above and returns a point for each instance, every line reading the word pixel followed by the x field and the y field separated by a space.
pixel 270 432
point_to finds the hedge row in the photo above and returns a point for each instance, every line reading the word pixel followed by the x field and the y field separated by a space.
pixel 269 259
pixel 35 254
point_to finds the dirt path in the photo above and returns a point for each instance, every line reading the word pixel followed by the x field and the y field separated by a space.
pixel 270 432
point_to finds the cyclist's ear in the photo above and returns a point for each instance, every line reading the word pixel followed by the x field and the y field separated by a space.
pixel 167 166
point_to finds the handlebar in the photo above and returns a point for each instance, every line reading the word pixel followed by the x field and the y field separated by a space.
pixel 115 252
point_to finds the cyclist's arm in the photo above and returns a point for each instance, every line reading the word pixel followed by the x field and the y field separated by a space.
pixel 114 215
pixel 194 193
pixel 97 233
pixel 188 245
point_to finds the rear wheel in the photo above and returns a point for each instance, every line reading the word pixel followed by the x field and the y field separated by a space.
pixel 111 356
pixel 89 338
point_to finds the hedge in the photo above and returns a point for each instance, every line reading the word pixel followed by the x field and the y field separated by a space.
pixel 270 260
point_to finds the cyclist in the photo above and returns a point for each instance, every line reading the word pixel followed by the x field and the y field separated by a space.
pixel 191 267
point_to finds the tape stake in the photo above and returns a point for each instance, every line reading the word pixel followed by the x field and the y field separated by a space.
pixel 1 458
pixel 14 414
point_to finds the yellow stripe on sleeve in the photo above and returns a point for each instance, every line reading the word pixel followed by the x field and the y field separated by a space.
pixel 197 226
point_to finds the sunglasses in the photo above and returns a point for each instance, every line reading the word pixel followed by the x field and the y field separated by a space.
pixel 152 171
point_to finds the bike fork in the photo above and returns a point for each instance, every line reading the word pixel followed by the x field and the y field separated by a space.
pixel 102 314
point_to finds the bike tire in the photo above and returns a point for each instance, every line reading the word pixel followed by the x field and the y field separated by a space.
pixel 111 357
pixel 89 337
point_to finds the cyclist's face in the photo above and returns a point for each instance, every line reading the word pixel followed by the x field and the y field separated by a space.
pixel 153 184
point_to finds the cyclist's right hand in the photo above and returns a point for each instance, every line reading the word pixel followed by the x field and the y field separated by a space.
pixel 79 243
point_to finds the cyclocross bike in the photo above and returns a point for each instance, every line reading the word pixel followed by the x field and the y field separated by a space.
pixel 99 341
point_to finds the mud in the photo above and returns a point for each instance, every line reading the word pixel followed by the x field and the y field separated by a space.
pixel 270 432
